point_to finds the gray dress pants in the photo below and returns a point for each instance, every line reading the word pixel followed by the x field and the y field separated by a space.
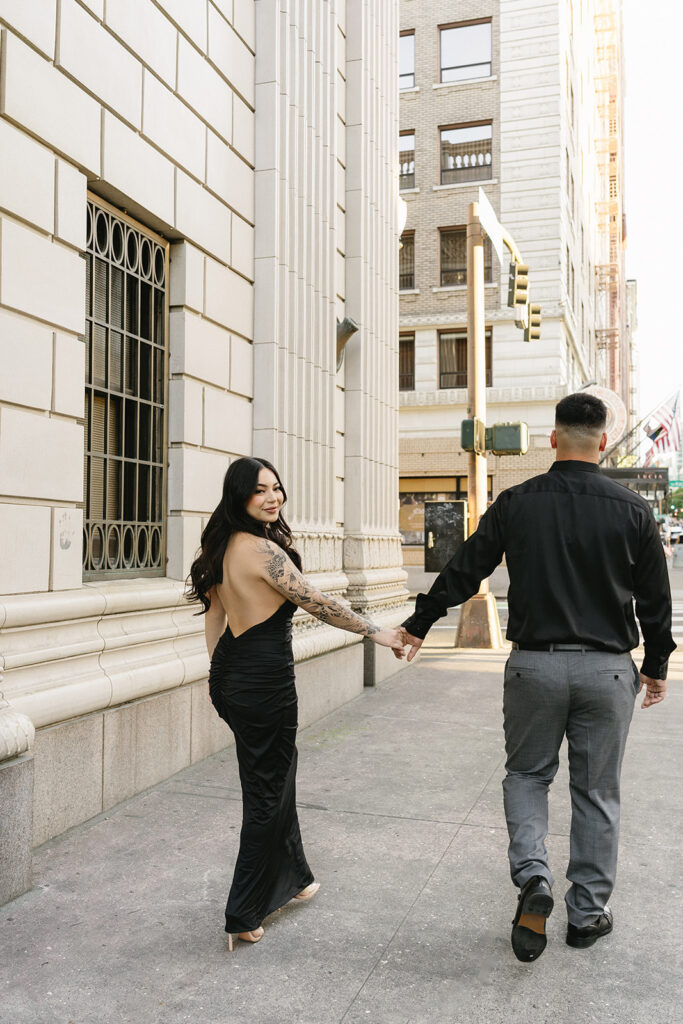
pixel 589 697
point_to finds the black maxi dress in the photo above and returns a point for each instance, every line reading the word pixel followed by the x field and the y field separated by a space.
pixel 251 683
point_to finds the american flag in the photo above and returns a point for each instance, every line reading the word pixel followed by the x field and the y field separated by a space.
pixel 664 429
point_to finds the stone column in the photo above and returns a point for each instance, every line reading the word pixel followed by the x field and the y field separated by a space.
pixel 372 546
pixel 16 800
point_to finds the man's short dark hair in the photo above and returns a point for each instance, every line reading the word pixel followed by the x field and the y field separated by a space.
pixel 582 412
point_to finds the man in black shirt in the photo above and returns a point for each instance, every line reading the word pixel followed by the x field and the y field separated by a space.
pixel 579 548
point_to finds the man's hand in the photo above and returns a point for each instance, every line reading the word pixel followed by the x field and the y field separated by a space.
pixel 655 690
pixel 414 641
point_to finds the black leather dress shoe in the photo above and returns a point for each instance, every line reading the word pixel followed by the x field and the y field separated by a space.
pixel 581 938
pixel 534 907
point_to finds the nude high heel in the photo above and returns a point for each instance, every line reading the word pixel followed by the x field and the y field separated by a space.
pixel 309 892
pixel 254 936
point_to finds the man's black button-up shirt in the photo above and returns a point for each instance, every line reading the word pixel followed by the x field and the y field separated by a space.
pixel 579 548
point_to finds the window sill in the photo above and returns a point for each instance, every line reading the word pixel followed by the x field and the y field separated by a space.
pixel 465 184
pixel 409 291
pixel 409 191
pixel 461 287
pixel 465 81
pixel 409 92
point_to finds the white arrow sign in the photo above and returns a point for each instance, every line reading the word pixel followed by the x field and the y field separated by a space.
pixel 490 224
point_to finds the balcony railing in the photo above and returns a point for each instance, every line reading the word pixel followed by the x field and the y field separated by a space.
pixel 466 161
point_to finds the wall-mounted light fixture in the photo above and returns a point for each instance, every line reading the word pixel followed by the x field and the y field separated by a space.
pixel 345 330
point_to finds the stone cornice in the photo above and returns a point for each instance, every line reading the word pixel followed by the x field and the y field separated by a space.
pixel 551 311
pixel 494 396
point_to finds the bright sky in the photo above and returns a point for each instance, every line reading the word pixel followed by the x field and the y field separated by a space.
pixel 654 194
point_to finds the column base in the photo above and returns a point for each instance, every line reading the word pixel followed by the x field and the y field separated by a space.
pixel 479 625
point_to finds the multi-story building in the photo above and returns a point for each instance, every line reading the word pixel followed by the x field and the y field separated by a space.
pixel 507 96
pixel 191 196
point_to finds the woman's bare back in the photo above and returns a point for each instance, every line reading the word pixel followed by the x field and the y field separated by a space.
pixel 246 597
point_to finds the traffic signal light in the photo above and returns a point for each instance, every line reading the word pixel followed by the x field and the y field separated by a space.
pixel 518 284
pixel 533 331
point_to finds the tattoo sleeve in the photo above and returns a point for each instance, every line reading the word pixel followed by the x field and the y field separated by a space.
pixel 284 577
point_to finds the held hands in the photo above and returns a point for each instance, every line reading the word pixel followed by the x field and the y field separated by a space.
pixel 390 638
pixel 655 690
pixel 398 640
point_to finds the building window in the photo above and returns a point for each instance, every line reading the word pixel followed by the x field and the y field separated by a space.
pixel 466 153
pixel 125 398
pixel 453 358
pixel 406 362
pixel 406 262
pixel 453 257
pixel 406 156
pixel 406 60
pixel 465 51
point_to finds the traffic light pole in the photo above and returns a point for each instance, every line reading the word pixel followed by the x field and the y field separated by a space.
pixel 478 625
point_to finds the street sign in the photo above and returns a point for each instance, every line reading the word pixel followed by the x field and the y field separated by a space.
pixel 490 224
pixel 676 483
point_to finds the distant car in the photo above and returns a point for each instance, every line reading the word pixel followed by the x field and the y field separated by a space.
pixel 676 529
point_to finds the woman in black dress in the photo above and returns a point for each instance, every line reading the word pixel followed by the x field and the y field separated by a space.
pixel 246 567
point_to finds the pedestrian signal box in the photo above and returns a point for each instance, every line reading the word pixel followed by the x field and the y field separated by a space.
pixel 518 284
pixel 473 435
pixel 500 439
pixel 509 438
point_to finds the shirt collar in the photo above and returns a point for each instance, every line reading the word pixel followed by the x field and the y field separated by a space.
pixel 573 466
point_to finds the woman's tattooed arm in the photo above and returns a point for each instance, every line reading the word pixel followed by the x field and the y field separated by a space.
pixel 283 576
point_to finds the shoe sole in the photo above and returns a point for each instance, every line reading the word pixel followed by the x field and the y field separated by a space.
pixel 537 909
pixel 589 940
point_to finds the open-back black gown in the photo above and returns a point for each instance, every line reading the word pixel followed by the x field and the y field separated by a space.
pixel 251 682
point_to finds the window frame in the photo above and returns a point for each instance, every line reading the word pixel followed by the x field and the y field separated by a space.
pixel 133 571
pixel 403 337
pixel 488 356
pixel 411 235
pixel 463 24
pixel 404 134
pixel 403 88
pixel 485 123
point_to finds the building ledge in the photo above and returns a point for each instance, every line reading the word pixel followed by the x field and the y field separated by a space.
pixel 465 184
pixel 409 291
pixel 409 92
pixel 408 191
pixel 462 287
pixel 448 86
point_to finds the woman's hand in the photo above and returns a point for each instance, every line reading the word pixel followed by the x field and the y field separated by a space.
pixel 390 638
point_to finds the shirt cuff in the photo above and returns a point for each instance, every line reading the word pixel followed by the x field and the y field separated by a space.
pixel 417 627
pixel 654 666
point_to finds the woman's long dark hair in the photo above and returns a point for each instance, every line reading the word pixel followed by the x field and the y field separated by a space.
pixel 231 516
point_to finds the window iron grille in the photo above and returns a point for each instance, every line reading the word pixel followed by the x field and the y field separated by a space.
pixel 453 258
pixel 125 397
pixel 406 263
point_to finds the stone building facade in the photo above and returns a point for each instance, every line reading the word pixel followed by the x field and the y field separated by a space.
pixel 191 196
pixel 503 98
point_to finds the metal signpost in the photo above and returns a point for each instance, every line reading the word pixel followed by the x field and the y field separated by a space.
pixel 479 625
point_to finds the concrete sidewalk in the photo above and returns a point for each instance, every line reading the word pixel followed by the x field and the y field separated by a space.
pixel 401 812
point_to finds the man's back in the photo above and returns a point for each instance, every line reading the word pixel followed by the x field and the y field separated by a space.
pixel 577 547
